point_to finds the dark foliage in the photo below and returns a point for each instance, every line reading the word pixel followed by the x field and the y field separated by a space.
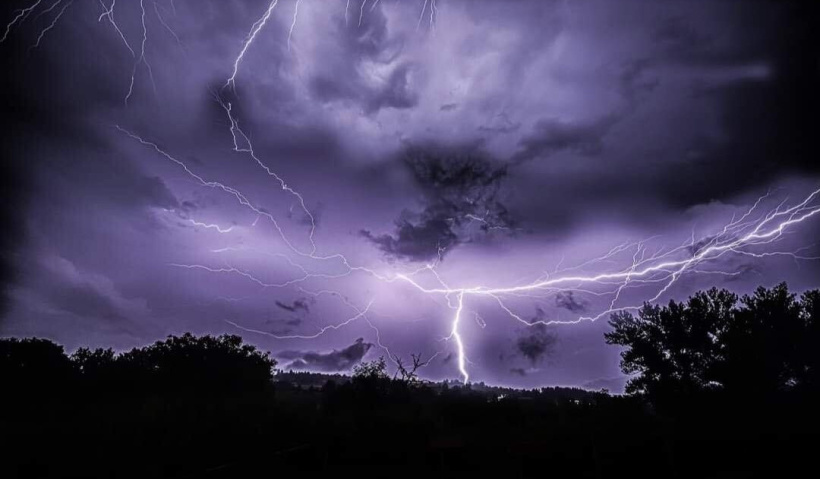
pixel 758 348
pixel 723 387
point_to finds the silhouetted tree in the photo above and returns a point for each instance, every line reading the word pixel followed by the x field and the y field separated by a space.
pixel 761 345
pixel 376 369
pixel 33 365
pixel 759 349
pixel 409 374
pixel 809 375
pixel 193 364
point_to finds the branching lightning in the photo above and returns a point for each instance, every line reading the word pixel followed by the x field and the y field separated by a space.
pixel 108 12
pixel 141 58
pixel 750 235
pixel 53 21
pixel 167 27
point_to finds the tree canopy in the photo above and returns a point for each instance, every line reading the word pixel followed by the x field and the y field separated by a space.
pixel 759 346
pixel 212 364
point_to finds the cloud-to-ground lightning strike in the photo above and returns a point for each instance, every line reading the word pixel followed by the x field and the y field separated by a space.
pixel 248 41
pixel 659 270
pixel 736 237
pixel 655 269
pixel 454 333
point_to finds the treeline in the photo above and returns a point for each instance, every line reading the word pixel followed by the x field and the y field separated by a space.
pixel 716 346
pixel 722 386
pixel 179 364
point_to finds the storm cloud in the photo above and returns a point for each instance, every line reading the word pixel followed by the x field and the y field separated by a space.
pixel 536 343
pixel 515 140
pixel 336 360
pixel 461 192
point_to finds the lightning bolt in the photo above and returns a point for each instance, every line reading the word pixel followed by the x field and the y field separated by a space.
pixel 211 226
pixel 347 7
pixel 257 26
pixel 108 12
pixel 658 269
pixel 459 343
pixel 361 12
pixel 141 59
pixel 21 16
pixel 293 24
pixel 242 144
pixel 53 21
pixel 167 27
pixel 736 237
pixel 49 9
pixel 360 313
pixel 421 15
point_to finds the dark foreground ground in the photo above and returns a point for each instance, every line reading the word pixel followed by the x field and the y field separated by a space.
pixel 388 428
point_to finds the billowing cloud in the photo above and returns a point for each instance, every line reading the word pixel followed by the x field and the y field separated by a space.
pixel 569 301
pixel 336 360
pixel 299 304
pixel 536 343
pixel 461 201
pixel 514 139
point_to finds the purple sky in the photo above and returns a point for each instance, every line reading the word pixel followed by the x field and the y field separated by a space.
pixel 502 141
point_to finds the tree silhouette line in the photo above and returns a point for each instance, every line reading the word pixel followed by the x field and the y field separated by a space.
pixel 720 385
pixel 755 348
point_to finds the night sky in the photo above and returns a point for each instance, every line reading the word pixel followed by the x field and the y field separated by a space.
pixel 457 144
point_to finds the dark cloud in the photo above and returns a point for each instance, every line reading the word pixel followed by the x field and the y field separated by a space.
pixel 768 100
pixel 90 218
pixel 461 197
pixel 679 37
pixel 501 123
pixel 343 78
pixel 568 301
pixel 519 371
pixel 300 304
pixel 550 136
pixel 418 239
pixel 154 192
pixel 554 135
pixel 336 360
pixel 13 200
pixel 536 342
